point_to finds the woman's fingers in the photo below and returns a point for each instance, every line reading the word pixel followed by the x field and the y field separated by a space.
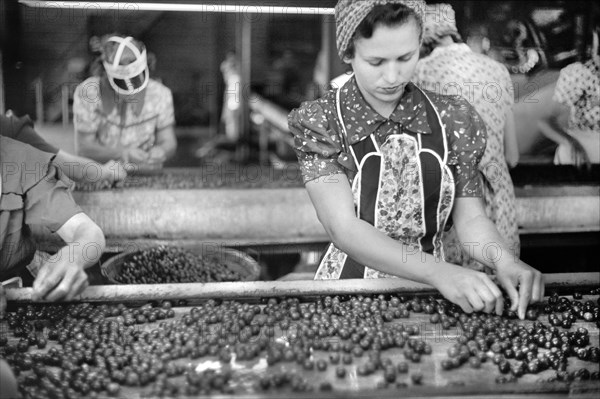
pixel 476 300
pixel 537 291
pixel 64 287
pixel 46 280
pixel 498 298
pixel 464 305
pixel 525 288
pixel 513 295
pixel 80 284
pixel 490 295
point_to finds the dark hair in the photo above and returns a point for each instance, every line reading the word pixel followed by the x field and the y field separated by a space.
pixel 428 46
pixel 386 15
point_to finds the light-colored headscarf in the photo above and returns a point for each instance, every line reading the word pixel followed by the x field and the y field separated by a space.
pixel 350 13
pixel 439 21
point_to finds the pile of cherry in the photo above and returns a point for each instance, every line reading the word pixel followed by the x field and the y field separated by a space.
pixel 85 350
pixel 165 264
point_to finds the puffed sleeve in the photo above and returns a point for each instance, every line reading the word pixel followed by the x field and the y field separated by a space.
pixel 316 145
pixel 467 136
pixel 86 100
pixel 569 87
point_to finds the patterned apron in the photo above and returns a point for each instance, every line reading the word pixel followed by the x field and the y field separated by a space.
pixel 404 188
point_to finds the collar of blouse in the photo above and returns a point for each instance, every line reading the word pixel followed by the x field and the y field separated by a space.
pixel 362 120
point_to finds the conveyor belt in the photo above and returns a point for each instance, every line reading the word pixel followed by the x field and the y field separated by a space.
pixel 435 381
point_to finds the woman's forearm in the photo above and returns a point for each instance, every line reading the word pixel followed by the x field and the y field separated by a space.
pixel 481 241
pixel 367 245
pixel 78 169
pixel 166 140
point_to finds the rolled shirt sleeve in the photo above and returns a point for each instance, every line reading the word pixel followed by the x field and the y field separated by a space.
pixel 21 129
pixel 316 145
pixel 49 203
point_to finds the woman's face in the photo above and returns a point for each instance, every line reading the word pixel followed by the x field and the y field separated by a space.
pixel 385 63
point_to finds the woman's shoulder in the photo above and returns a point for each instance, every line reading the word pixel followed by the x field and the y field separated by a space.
pixel 462 123
pixel 314 113
pixel 157 87
pixel 574 69
pixel 92 80
pixel 450 107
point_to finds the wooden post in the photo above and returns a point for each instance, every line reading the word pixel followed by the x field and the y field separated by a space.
pixel 244 49
pixel 2 104
pixel 39 99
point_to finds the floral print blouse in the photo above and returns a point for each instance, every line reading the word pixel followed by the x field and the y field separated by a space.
pixel 134 128
pixel 578 87
pixel 322 150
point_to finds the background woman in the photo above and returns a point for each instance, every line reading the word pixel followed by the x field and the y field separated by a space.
pixel 124 114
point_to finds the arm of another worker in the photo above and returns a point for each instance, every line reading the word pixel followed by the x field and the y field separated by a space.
pixel 82 170
pixel 48 203
pixel 76 168
pixel 333 201
pixel 63 276
pixel 554 127
pixel 567 91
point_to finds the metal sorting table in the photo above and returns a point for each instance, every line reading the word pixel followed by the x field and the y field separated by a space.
pixel 436 382
pixel 254 206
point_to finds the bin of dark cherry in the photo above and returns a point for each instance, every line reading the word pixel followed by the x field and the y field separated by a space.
pixel 166 264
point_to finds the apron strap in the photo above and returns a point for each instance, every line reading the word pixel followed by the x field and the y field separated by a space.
pixel 368 162
pixel 433 154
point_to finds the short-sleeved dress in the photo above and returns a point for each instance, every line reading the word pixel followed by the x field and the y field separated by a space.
pixel 325 147
pixel 34 192
pixel 578 87
pixel 485 84
pixel 126 125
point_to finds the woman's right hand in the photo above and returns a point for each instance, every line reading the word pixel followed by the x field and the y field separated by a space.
pixel 473 291
pixel 114 173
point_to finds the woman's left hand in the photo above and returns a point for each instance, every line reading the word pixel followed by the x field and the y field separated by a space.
pixel 157 155
pixel 530 283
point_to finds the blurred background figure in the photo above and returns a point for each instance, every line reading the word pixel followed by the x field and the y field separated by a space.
pixel 574 123
pixel 222 147
pixel 449 66
pixel 123 114
pixel 230 116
